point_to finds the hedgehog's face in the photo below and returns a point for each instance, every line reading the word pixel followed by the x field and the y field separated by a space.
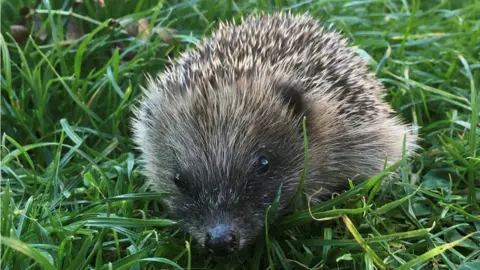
pixel 223 156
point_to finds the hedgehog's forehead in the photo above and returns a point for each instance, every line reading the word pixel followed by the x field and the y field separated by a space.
pixel 229 125
pixel 225 106
pixel 220 120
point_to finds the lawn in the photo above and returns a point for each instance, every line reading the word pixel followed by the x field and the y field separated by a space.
pixel 72 196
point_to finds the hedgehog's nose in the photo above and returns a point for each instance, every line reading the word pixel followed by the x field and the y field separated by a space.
pixel 222 240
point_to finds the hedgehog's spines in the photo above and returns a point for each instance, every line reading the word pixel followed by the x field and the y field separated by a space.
pixel 222 104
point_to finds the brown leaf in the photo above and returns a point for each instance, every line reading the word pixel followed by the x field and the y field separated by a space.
pixel 73 30
pixel 38 32
pixel 131 28
pixel 25 11
pixel 143 29
pixel 129 56
pixel 166 34
pixel 122 46
pixel 114 23
pixel 20 33
pixel 77 3
pixel 101 3
pixel 135 28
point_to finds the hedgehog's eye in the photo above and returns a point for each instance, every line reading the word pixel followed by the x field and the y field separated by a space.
pixel 180 181
pixel 266 199
pixel 263 165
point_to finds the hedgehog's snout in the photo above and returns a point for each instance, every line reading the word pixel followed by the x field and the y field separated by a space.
pixel 222 240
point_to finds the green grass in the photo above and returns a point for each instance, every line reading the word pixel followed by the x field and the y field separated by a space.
pixel 72 196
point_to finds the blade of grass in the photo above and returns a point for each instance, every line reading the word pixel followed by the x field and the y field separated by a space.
pixel 434 252
pixel 69 91
pixel 28 251
pixel 348 223
pixel 472 135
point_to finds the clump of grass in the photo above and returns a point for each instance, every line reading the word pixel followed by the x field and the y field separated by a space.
pixel 71 193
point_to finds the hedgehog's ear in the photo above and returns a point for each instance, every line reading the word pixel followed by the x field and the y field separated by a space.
pixel 293 98
pixel 296 102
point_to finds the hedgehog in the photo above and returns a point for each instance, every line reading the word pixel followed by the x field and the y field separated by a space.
pixel 221 128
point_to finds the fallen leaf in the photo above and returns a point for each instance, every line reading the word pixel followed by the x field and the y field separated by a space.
pixel 122 46
pixel 129 56
pixel 73 30
pixel 20 33
pixel 143 29
pixel 25 11
pixel 38 31
pixel 77 3
pixel 166 34
pixel 131 28
pixel 101 3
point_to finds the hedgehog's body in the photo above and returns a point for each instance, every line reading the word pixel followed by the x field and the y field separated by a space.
pixel 221 128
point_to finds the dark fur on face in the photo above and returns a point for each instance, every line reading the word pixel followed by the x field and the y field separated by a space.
pixel 221 128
